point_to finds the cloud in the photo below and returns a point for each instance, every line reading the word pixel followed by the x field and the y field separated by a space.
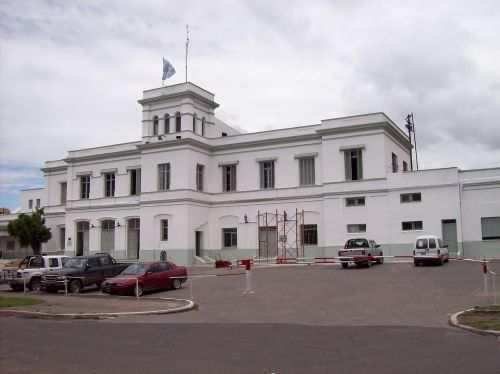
pixel 71 72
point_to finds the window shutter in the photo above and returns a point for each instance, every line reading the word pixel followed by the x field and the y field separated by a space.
pixel 360 164
pixel 347 165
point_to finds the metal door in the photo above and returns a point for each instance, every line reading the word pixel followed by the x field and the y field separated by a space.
pixel 268 242
pixel 133 238
pixel 450 234
pixel 198 243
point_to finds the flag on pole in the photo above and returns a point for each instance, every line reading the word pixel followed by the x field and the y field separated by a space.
pixel 168 69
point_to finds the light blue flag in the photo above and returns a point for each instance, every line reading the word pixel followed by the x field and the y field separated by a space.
pixel 168 70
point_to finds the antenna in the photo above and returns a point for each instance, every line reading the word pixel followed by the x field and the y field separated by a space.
pixel 410 125
pixel 187 48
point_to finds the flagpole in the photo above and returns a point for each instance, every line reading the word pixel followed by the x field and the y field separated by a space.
pixel 187 46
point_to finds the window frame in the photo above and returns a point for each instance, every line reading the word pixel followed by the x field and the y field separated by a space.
pixel 232 233
pixel 164 176
pixel 267 174
pixel 164 230
pixel 166 123
pixel 410 197
pixel 200 171
pixel 229 178
pixel 155 125
pixel 85 187
pixel 394 162
pixel 361 228
pixel 109 184
pixel 490 237
pixel 310 234
pixel 355 199
pixel 413 226
pixel 349 155
pixel 30 204
pixel 178 122
pixel 135 181
pixel 63 192
pixel 405 166
pixel 307 171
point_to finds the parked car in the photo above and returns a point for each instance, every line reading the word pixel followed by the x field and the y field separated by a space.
pixel 83 271
pixel 30 271
pixel 141 277
pixel 360 252
pixel 430 249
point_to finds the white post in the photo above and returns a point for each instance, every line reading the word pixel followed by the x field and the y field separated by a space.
pixel 494 286
pixel 191 289
pixel 248 288
pixel 24 283
pixel 485 277
pixel 66 286
pixel 137 288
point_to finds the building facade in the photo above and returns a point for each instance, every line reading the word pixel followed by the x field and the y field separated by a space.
pixel 194 186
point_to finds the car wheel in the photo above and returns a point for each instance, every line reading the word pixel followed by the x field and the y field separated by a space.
pixel 15 287
pixel 345 265
pixel 138 290
pixel 368 264
pixel 75 286
pixel 51 290
pixel 35 284
pixel 176 284
pixel 441 261
pixel 416 263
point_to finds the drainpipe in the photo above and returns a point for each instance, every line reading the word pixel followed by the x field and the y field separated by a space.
pixel 460 249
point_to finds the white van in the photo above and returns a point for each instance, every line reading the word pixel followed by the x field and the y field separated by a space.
pixel 429 248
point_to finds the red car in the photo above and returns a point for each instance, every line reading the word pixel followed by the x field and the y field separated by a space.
pixel 150 276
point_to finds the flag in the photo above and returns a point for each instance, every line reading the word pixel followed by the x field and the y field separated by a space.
pixel 168 70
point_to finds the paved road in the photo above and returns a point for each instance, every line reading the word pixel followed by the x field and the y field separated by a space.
pixel 389 318
pixel 96 347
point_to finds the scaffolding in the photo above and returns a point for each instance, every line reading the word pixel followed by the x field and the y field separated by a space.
pixel 280 236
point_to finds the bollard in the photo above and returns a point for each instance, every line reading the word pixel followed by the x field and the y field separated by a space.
pixel 137 288
pixel 24 283
pixel 248 276
pixel 485 277
pixel 494 286
pixel 191 288
pixel 66 286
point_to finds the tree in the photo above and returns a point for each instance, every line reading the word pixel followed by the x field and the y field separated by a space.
pixel 30 230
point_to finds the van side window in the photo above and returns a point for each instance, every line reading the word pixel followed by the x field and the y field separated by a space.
pixel 37 262
pixel 440 242
pixel 422 244
pixel 432 243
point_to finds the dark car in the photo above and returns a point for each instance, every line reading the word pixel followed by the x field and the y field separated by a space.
pixel 83 271
pixel 140 277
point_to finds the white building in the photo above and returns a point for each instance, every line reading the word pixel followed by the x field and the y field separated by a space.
pixel 194 185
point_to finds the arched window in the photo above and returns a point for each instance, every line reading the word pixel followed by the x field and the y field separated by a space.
pixel 155 125
pixel 203 126
pixel 167 123
pixel 177 122
pixel 194 123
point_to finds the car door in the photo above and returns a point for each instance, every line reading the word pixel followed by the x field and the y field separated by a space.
pixel 93 271
pixel 152 278
pixel 166 272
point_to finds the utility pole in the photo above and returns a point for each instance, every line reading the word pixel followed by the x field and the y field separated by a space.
pixel 410 125
pixel 409 128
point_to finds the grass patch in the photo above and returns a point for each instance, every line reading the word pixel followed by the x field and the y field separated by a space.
pixel 13 301
pixel 484 318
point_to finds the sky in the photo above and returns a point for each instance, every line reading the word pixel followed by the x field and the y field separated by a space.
pixel 71 72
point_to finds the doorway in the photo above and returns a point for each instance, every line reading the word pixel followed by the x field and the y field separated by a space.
pixel 82 238
pixel 449 227
pixel 198 241
pixel 133 238
pixel 268 241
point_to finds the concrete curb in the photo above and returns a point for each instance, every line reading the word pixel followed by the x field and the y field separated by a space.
pixel 44 315
pixel 453 321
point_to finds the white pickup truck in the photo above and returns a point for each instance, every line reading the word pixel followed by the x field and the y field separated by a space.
pixel 30 271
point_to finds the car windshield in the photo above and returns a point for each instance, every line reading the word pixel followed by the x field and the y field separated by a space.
pixel 356 243
pixel 75 263
pixel 422 244
pixel 134 269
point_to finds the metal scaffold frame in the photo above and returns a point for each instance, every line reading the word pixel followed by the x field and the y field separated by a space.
pixel 280 236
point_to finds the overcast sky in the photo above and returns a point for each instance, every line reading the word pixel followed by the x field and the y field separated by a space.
pixel 71 72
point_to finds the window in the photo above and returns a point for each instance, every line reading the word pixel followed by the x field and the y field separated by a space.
pixel 267 174
pixel 306 171
pixel 310 234
pixel 164 230
pixel 38 203
pixel 135 181
pixel 194 123
pixel 422 243
pixel 93 262
pixel 155 125
pixel 412 225
pixel 84 186
pixel 356 243
pixel 164 177
pixel 411 197
pixel 203 126
pixel 64 192
pixel 53 262
pixel 358 227
pixel 405 166
pixel 177 122
pixel 109 184
pixel 11 245
pixel 353 164
pixel 355 201
pixel 490 228
pixel 105 260
pixel 199 177
pixel 432 243
pixel 166 124
pixel 30 204
pixel 62 237
pixel 37 262
pixel 394 163
pixel 164 266
pixel 229 178
pixel 230 237
pixel 108 235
